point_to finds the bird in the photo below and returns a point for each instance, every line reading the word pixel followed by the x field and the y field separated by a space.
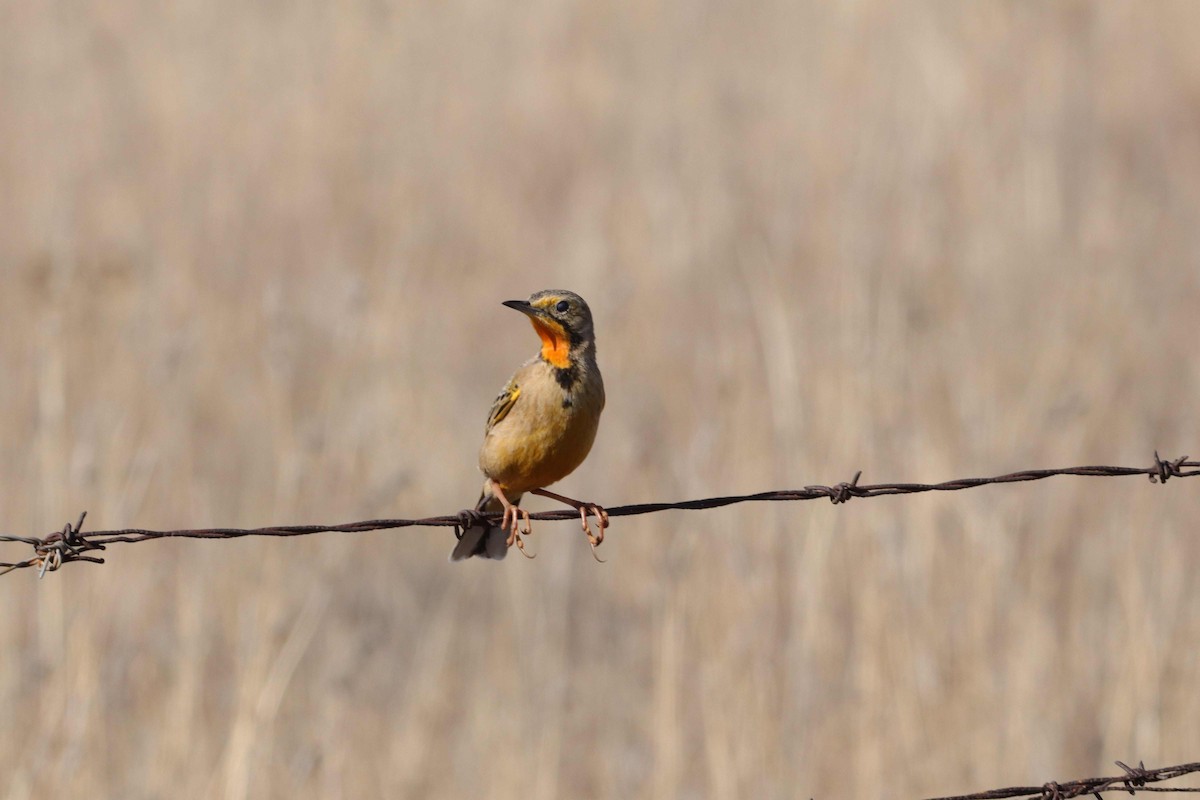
pixel 540 427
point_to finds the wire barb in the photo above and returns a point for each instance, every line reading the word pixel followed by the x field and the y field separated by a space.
pixel 71 544
pixel 468 518
pixel 1168 469
pixel 1137 776
pixel 840 493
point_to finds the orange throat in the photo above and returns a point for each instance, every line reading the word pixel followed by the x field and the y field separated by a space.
pixel 555 347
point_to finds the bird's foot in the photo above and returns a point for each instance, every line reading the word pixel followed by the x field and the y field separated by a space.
pixel 516 521
pixel 594 539
pixel 597 538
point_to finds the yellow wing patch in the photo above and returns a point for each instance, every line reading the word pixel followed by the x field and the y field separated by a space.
pixel 504 403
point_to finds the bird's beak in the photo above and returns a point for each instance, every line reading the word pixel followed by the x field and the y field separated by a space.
pixel 524 307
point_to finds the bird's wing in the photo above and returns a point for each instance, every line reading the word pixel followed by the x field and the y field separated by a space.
pixel 504 403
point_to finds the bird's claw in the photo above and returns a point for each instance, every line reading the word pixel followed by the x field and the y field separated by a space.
pixel 597 538
pixel 516 521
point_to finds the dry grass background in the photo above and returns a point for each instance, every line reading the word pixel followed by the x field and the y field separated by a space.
pixel 252 259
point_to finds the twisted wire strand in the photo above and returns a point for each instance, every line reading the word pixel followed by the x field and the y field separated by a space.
pixel 71 544
pixel 1132 781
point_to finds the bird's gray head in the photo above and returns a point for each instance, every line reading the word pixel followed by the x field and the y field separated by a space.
pixel 568 309
pixel 562 319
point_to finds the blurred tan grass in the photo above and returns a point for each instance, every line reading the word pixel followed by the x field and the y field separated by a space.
pixel 252 259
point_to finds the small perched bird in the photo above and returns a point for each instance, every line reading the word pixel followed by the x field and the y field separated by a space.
pixel 541 426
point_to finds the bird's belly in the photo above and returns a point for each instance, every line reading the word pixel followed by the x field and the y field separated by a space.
pixel 537 450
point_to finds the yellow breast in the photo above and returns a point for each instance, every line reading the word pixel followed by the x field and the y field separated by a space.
pixel 547 434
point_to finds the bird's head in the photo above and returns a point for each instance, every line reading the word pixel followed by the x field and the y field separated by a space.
pixel 562 320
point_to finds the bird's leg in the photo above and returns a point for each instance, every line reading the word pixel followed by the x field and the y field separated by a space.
pixel 515 521
pixel 594 539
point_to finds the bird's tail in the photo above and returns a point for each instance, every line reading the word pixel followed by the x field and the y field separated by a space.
pixel 485 541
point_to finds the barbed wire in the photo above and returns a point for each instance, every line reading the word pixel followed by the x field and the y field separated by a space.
pixel 71 544
pixel 1134 780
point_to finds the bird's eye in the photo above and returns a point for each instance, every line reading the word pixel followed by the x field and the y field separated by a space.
pixel 562 306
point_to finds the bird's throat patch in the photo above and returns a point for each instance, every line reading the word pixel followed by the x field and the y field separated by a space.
pixel 556 346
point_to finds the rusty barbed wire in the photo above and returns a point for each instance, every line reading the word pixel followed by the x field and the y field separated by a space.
pixel 71 544
pixel 1134 780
